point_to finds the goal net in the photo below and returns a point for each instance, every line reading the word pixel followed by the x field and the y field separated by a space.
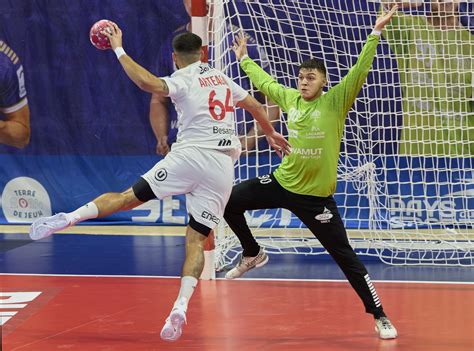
pixel 405 177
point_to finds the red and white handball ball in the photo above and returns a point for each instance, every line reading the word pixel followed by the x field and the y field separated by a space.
pixel 99 40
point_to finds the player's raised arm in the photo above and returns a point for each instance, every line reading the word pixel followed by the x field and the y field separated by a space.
pixel 139 75
pixel 275 139
pixel 259 78
pixel 347 90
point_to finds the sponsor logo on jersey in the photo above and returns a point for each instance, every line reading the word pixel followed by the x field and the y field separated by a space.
pixel 24 199
pixel 308 152
pixel 218 130
pixel 224 142
pixel 293 115
pixel 316 114
pixel 210 217
pixel 325 216
pixel 292 133
pixel 204 69
pixel 315 133
pixel 265 179
pixel 161 174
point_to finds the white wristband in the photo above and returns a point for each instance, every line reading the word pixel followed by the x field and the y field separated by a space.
pixel 243 57
pixel 376 32
pixel 119 52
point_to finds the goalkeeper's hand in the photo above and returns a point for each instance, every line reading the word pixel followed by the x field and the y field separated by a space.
pixel 385 18
pixel 239 46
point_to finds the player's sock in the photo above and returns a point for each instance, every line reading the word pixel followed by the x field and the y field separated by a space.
pixel 379 314
pixel 87 211
pixel 188 284
pixel 173 327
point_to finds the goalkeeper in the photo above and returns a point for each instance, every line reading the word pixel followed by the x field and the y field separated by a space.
pixel 306 179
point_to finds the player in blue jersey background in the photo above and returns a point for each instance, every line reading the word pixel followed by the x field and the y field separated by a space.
pixel 14 110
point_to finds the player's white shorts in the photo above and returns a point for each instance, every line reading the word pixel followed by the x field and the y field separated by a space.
pixel 205 175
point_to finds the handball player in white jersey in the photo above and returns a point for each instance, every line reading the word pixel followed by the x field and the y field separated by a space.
pixel 200 164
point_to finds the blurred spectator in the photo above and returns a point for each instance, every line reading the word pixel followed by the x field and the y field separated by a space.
pixel 14 110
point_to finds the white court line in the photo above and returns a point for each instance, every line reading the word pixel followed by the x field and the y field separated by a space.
pixel 243 279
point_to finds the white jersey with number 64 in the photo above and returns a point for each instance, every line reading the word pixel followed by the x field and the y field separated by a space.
pixel 204 99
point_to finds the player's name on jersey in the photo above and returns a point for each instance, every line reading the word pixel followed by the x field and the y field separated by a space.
pixel 8 52
pixel 212 81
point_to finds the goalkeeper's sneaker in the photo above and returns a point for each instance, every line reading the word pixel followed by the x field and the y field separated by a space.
pixel 246 264
pixel 173 327
pixel 385 328
pixel 44 227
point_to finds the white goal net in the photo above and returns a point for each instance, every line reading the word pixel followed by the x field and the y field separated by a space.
pixel 406 178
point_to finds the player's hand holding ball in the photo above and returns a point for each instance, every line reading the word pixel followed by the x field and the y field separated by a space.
pixel 114 34
pixel 99 40
pixel 105 34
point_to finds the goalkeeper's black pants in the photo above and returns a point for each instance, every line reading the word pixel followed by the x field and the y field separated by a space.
pixel 319 214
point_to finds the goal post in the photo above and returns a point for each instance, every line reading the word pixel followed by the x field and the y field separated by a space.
pixel 405 176
pixel 199 26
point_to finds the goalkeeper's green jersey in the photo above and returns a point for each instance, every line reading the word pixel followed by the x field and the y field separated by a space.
pixel 315 128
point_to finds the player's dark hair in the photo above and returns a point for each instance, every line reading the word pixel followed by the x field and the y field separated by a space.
pixel 314 64
pixel 187 43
